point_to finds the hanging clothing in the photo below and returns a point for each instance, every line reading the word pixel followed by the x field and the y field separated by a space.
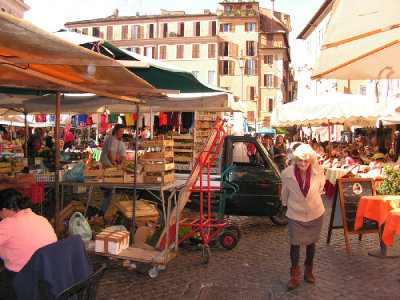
pixel 163 119
pixel 113 118
pixel 129 120
pixel 173 119
pixel 103 123
pixel 82 120
pixel 89 120
pixel 40 118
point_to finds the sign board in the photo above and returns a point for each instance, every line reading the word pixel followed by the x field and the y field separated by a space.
pixel 344 207
pixel 266 131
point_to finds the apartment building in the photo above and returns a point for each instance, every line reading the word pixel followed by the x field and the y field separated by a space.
pixel 242 48
pixel 17 8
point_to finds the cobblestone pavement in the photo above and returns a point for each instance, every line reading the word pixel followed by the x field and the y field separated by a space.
pixel 259 267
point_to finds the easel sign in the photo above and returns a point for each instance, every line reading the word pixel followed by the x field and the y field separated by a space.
pixel 344 207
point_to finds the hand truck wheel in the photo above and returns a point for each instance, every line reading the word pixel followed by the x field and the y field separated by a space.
pixel 228 240
pixel 206 254
pixel 235 230
pixel 154 271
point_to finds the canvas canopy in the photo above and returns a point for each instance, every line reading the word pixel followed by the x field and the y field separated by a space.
pixel 35 59
pixel 88 103
pixel 350 110
pixel 161 75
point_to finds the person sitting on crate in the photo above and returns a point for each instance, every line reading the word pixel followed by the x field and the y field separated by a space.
pixel 109 158
pixel 22 232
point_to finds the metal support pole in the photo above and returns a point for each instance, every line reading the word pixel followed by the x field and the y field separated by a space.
pixel 135 174
pixel 57 163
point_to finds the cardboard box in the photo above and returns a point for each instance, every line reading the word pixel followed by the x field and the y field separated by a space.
pixel 112 242
pixel 143 233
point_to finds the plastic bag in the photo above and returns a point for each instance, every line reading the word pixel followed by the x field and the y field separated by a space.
pixel 75 174
pixel 79 225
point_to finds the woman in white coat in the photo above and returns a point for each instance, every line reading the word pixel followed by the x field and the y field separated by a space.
pixel 302 186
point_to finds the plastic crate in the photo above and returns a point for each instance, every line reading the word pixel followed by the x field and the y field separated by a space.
pixel 48 177
pixel 35 192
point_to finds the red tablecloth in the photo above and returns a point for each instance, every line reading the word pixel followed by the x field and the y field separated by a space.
pixel 376 208
pixel 392 225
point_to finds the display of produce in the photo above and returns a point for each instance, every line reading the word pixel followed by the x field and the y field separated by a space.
pixel 158 161
pixel 183 152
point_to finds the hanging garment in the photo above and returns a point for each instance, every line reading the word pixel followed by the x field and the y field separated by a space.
pixel 113 118
pixel 40 118
pixel 129 120
pixel 173 119
pixel 163 119
pixel 103 123
pixel 82 120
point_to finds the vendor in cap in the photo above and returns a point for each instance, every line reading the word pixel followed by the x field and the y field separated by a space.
pixel 109 158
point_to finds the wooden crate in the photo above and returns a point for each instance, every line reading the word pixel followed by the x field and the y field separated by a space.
pixel 158 155
pixel 183 159
pixel 113 175
pixel 159 178
pixel 93 176
pixel 157 143
pixel 5 167
pixel 129 178
pixel 159 167
pixel 18 167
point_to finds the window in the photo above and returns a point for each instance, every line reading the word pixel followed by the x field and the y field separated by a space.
pixel 250 48
pixel 250 116
pixel 196 29
pixel 269 80
pixel 150 33
pixel 249 6
pixel 124 32
pixel 136 50
pixel 163 52
pixel 164 30
pixel 224 50
pixel 149 51
pixel 363 90
pixel 213 28
pixel 179 51
pixel 85 31
pixel 270 37
pixel 212 78
pixel 96 31
pixel 181 29
pixel 196 51
pixel 225 27
pixel 270 104
pixel 211 50
pixel 269 59
pixel 226 67
pixel 136 32
pixel 251 92
pixel 250 27
pixel 110 33
pixel 250 67
pixel 196 74
pixel 228 8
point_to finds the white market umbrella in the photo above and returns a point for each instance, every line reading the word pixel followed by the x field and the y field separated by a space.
pixel 361 41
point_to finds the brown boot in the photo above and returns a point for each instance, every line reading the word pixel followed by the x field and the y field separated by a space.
pixel 308 275
pixel 294 277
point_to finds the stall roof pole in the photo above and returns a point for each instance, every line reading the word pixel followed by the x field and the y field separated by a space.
pixel 135 175
pixel 329 141
pixel 57 164
pixel 26 135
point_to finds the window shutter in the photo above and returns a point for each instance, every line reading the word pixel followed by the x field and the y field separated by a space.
pixel 246 27
pixel 250 116
pixel 221 67
pixel 246 67
pixel 233 50
pixel 265 79
pixel 230 27
pixel 141 32
pixel 252 92
pixel 276 80
pixel 247 48
pixel 275 57
pixel 270 105
pixel 232 68
pixel 154 55
pixel 221 49
pixel 145 51
pixel 256 67
pixel 194 29
pixel 221 27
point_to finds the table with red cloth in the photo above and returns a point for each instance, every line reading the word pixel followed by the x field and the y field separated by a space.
pixel 331 175
pixel 392 225
pixel 377 208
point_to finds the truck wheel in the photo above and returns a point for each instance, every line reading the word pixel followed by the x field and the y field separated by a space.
pixel 228 240
pixel 280 218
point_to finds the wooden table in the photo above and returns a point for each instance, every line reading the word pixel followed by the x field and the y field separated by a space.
pixel 377 208
pixel 392 225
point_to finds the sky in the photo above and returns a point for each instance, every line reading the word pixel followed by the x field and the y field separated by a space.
pixel 51 15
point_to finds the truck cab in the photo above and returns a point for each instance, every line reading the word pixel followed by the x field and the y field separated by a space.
pixel 257 177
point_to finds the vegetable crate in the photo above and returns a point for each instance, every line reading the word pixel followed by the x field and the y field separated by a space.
pixel 5 167
pixel 93 176
pixel 35 192
pixel 113 175
pixel 159 165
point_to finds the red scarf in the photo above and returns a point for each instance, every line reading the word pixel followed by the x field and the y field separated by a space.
pixel 304 187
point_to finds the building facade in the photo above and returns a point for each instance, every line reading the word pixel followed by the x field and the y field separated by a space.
pixel 17 8
pixel 242 48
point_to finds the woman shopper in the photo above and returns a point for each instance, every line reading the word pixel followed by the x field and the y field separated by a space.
pixel 302 186
pixel 280 153
pixel 22 232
